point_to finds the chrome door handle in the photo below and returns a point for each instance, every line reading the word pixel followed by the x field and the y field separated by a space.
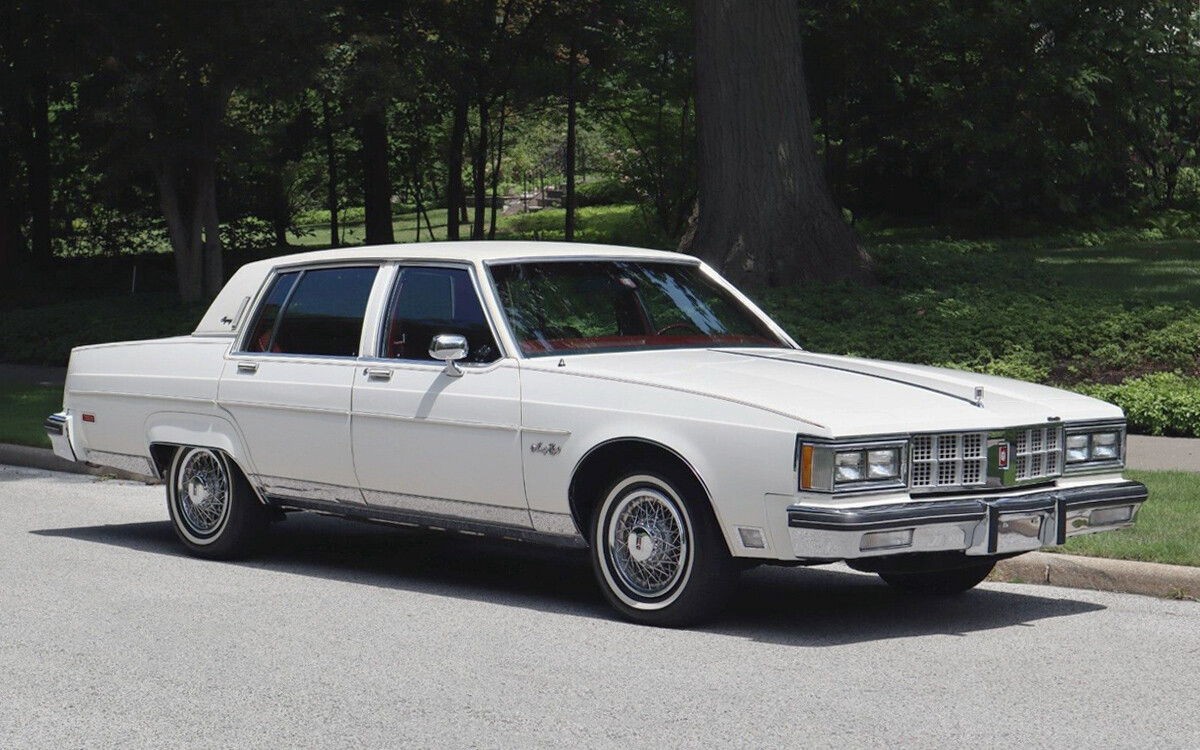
pixel 378 373
pixel 247 368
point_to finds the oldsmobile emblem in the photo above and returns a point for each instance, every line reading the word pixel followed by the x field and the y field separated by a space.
pixel 546 449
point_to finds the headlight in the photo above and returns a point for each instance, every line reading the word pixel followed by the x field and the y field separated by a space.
pixel 852 466
pixel 1097 446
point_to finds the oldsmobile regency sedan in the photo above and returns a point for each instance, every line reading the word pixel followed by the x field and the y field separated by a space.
pixel 630 402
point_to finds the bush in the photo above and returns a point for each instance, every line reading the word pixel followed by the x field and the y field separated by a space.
pixel 604 192
pixel 1161 403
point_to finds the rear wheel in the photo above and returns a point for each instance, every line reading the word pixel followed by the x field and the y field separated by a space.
pixel 213 509
pixel 940 582
pixel 657 552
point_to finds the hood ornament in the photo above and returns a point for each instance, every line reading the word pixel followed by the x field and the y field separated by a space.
pixel 979 396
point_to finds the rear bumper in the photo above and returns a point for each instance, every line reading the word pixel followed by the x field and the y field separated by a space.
pixel 58 429
pixel 994 525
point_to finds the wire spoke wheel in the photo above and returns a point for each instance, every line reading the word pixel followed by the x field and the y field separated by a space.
pixel 648 542
pixel 203 493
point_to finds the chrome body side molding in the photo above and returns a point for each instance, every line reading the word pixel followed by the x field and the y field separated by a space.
pixel 433 522
pixel 433 506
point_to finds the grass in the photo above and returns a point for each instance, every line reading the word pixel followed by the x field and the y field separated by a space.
pixel 23 411
pixel 1167 529
pixel 404 227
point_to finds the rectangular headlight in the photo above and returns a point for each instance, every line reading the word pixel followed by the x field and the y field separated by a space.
pixel 848 467
pixel 1077 448
pixel 852 466
pixel 1106 446
pixel 883 463
pixel 1094 447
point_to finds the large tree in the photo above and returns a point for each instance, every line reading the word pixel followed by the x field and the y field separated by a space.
pixel 765 214
pixel 162 81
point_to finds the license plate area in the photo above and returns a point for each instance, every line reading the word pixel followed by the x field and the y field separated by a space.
pixel 1018 530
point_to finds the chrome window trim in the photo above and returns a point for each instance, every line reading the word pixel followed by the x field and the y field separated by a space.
pixel 396 268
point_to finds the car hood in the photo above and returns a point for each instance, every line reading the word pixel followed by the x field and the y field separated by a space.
pixel 838 396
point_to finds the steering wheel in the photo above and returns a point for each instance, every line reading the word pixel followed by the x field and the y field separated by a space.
pixel 681 325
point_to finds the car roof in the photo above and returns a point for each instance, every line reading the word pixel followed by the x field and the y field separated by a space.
pixel 478 252
pixel 232 302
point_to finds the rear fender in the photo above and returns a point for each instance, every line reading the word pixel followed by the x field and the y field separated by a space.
pixel 199 430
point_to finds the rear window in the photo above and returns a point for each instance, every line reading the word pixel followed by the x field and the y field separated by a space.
pixel 317 312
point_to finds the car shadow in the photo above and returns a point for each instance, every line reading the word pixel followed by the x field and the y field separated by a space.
pixel 810 607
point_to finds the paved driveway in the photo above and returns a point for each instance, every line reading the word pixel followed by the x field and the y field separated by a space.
pixel 350 635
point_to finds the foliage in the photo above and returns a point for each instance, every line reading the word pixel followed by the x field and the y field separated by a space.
pixel 1084 311
pixel 606 191
pixel 613 225
pixel 1160 403
pixel 45 335
pixel 1167 528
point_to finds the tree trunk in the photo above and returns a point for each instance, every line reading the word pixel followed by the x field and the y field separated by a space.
pixel 185 242
pixel 39 144
pixel 569 198
pixel 12 241
pixel 331 160
pixel 479 173
pixel 454 165
pixel 280 215
pixel 377 188
pixel 496 166
pixel 765 214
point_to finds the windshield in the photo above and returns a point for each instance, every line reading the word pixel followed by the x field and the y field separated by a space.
pixel 564 306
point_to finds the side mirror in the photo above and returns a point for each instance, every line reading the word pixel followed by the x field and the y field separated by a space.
pixel 449 347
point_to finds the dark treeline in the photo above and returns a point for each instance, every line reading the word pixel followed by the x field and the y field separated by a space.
pixel 230 124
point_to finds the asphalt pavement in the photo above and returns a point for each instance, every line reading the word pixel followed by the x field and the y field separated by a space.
pixel 350 635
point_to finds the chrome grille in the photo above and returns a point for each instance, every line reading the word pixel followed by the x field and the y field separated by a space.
pixel 949 460
pixel 1038 453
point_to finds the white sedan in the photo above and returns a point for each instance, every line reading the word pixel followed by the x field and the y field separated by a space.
pixel 628 401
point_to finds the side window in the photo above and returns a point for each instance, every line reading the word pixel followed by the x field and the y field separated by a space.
pixel 268 315
pixel 431 301
pixel 322 313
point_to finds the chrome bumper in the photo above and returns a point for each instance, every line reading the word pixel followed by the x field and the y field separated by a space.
pixel 58 429
pixel 996 525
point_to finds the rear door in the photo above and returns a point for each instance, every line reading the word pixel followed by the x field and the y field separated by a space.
pixel 288 383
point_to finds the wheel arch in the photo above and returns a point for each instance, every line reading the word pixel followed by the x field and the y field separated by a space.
pixel 167 432
pixel 604 460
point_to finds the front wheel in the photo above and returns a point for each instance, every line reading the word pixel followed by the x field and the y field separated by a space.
pixel 940 582
pixel 213 509
pixel 657 552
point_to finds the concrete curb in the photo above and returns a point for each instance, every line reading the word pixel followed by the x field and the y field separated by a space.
pixel 1101 574
pixel 44 458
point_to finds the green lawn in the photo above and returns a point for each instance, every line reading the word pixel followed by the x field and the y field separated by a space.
pixel 23 410
pixel 404 227
pixel 1167 529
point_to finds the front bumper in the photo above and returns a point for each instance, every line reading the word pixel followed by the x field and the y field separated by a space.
pixel 993 525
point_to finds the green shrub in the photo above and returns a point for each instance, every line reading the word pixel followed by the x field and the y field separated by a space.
pixel 1161 403
pixel 604 192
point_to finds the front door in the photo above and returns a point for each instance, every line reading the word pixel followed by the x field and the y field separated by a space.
pixel 430 442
